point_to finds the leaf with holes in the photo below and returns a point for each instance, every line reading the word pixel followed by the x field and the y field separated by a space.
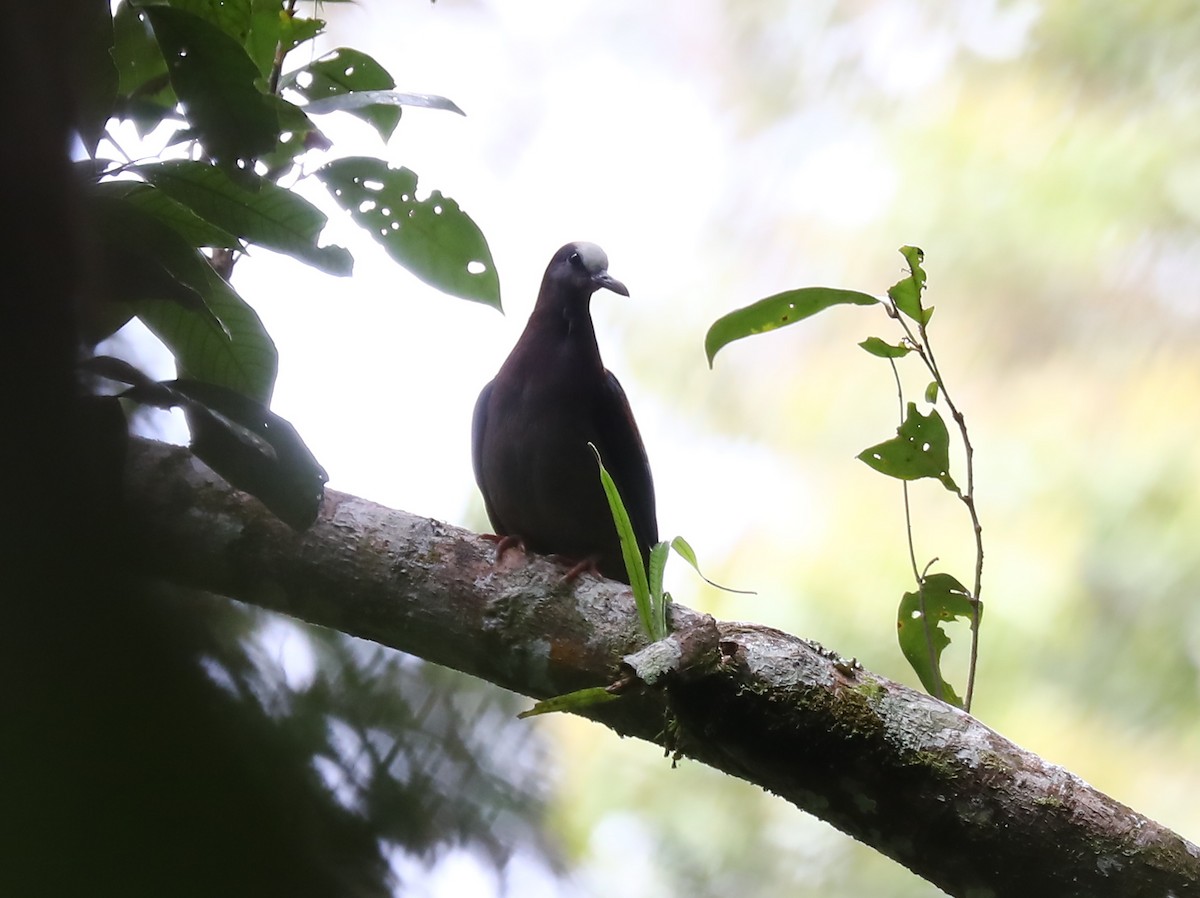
pixel 921 448
pixel 254 209
pixel 432 238
pixel 922 638
pixel 778 311
pixel 342 72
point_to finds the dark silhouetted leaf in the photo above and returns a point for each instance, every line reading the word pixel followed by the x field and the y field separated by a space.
pixel 190 226
pixel 777 311
pixel 945 599
pixel 143 260
pixel 144 91
pixel 252 208
pixel 97 86
pixel 242 440
pixel 215 80
pixel 921 448
pixel 432 238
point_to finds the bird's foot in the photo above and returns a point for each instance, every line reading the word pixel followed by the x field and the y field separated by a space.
pixel 579 568
pixel 504 543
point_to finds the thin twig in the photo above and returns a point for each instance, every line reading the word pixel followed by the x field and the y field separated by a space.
pixel 912 556
pixel 968 499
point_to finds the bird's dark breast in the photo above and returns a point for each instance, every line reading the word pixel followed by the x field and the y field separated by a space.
pixel 541 476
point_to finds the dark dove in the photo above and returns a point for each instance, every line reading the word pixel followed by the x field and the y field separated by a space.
pixel 533 423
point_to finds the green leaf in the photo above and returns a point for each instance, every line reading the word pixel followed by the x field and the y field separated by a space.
pixel 244 359
pixel 297 135
pixel 142 260
pixel 657 567
pixel 922 638
pixel 191 227
pixel 777 311
pixel 261 213
pixel 432 238
pixel 885 350
pixel 364 98
pixel 631 553
pixel 144 91
pixel 921 448
pixel 224 342
pixel 931 392
pixel 684 550
pixel 572 701
pixel 215 81
pixel 230 16
pixel 345 71
pixel 906 293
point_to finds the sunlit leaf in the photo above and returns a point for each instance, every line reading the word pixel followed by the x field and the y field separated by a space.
pixel 922 638
pixel 906 293
pixel 254 209
pixel 684 550
pixel 885 350
pixel 657 567
pixel 631 553
pixel 921 448
pixel 777 311
pixel 432 238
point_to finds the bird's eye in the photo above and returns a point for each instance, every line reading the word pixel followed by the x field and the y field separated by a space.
pixel 575 260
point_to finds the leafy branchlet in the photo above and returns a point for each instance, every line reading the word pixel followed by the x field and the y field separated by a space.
pixel 919 450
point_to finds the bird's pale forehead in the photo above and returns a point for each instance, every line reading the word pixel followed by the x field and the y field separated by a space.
pixel 592 256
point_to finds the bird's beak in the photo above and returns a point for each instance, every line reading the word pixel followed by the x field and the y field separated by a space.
pixel 608 282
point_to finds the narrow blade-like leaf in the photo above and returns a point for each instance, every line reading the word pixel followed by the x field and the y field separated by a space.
pixel 630 551
pixel 778 311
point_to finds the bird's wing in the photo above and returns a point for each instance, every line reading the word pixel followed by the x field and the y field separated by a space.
pixel 625 458
pixel 478 427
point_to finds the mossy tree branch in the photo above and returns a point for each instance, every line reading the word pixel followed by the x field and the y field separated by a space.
pixel 916 779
